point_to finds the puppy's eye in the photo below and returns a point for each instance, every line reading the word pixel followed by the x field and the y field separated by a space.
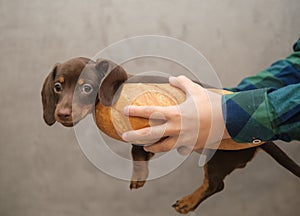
pixel 57 87
pixel 87 89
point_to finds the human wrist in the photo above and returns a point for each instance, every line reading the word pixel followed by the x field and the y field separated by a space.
pixel 217 130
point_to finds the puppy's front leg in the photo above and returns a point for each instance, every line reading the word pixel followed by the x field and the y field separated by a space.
pixel 140 170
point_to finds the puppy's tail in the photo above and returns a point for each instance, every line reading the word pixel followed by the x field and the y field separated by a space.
pixel 282 158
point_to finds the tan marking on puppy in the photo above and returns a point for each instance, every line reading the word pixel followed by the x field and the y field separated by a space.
pixel 80 81
pixel 61 80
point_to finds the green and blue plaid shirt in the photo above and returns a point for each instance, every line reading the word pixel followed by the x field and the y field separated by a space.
pixel 266 106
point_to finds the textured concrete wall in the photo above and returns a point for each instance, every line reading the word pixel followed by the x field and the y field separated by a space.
pixel 42 169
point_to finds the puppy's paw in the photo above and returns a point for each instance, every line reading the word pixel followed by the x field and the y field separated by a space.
pixel 185 205
pixel 134 184
pixel 139 176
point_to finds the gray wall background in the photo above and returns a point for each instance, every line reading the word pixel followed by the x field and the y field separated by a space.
pixel 42 169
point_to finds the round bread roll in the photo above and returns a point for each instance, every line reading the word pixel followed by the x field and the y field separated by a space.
pixel 112 121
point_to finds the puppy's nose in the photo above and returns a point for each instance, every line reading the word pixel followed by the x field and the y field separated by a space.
pixel 64 114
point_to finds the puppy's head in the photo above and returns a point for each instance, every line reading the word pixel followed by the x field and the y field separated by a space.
pixel 70 90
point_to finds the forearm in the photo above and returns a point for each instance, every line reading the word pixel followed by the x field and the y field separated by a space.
pixel 263 114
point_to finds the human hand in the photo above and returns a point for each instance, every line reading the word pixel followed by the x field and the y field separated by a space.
pixel 192 125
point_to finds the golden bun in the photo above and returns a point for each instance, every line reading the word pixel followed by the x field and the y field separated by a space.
pixel 112 121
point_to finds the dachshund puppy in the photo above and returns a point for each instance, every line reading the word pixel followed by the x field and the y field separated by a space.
pixel 68 95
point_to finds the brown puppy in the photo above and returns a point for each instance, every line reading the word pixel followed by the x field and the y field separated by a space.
pixel 68 95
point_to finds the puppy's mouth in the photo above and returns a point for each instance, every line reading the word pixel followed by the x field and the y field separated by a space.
pixel 68 124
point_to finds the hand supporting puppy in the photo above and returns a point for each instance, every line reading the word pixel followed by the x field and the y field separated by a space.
pixel 192 125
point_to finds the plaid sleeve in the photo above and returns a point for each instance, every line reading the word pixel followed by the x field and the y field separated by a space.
pixel 266 106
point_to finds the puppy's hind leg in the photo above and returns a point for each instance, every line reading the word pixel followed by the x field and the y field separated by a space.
pixel 219 166
pixel 191 201
pixel 140 170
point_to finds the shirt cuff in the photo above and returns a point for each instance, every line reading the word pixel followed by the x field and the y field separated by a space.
pixel 248 115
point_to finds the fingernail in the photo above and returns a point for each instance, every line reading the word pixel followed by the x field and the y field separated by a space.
pixel 126 110
pixel 125 136
pixel 171 78
pixel 202 160
pixel 145 149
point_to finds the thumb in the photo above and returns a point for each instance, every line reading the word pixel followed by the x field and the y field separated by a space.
pixel 183 83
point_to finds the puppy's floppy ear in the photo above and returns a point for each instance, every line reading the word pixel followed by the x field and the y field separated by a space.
pixel 49 99
pixel 114 76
